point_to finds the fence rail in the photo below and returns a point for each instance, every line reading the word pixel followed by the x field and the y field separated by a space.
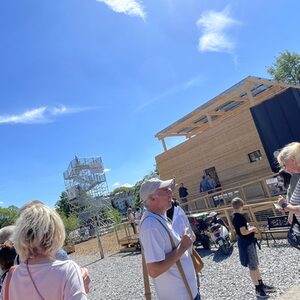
pixel 253 191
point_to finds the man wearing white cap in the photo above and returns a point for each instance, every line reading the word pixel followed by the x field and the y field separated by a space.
pixel 161 258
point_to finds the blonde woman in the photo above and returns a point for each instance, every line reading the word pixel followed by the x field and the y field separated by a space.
pixel 289 159
pixel 38 235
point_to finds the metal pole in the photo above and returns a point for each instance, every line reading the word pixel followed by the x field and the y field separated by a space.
pixel 99 241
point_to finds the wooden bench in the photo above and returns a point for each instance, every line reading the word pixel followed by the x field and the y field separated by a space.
pixel 278 224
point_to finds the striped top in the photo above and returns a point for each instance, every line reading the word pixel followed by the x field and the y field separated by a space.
pixel 295 199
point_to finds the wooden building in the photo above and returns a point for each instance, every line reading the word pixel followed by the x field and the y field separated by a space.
pixel 232 137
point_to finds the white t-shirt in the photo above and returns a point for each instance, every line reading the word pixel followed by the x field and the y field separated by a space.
pixel 180 221
pixel 138 215
pixel 58 280
pixel 156 244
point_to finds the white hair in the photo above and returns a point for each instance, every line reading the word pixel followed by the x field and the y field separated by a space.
pixel 289 151
pixel 39 230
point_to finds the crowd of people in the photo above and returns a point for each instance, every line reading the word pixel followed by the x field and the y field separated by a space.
pixel 167 245
pixel 34 265
pixel 33 262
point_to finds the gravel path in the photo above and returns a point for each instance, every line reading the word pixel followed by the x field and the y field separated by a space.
pixel 120 276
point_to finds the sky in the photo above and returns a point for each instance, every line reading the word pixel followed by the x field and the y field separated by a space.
pixel 102 77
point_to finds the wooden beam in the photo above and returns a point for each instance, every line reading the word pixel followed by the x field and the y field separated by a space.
pixel 164 144
pixel 216 113
pixel 209 120
pixel 250 97
pixel 272 82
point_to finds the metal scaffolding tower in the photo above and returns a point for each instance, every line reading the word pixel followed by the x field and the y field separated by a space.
pixel 85 175
pixel 87 190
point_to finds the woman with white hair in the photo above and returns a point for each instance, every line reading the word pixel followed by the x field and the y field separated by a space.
pixel 289 160
pixel 39 233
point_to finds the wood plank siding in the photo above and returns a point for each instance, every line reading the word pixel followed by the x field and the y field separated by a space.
pixel 223 143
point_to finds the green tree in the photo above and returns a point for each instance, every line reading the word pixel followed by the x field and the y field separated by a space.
pixel 8 216
pixel 112 213
pixel 71 223
pixel 286 68
pixel 120 189
pixel 63 205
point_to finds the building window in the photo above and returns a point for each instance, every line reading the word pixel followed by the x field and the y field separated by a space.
pixel 254 156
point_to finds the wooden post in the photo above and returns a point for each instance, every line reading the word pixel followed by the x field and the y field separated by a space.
pixel 205 202
pixel 243 194
pixel 99 241
pixel 164 144
pixel 126 231
pixel 209 120
pixel 116 232
pixel 266 188
pixel 233 237
pixel 250 97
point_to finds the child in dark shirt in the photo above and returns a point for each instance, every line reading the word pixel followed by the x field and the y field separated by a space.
pixel 247 248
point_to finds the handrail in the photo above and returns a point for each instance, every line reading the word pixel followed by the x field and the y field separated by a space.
pixel 204 197
pixel 251 210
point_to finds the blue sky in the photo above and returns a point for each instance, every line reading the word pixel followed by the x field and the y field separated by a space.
pixel 100 78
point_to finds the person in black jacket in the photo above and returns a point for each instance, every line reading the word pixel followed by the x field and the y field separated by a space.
pixel 183 193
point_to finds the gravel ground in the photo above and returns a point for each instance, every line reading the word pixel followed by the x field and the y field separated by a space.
pixel 119 276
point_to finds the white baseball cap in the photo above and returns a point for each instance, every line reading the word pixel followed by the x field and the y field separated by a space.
pixel 150 186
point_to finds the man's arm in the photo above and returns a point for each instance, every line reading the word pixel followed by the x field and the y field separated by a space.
pixel 157 268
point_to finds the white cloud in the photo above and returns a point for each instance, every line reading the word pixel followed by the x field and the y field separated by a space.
pixel 40 115
pixel 1 202
pixel 31 116
pixel 215 27
pixel 173 90
pixel 128 7
pixel 127 185
pixel 107 170
pixel 117 184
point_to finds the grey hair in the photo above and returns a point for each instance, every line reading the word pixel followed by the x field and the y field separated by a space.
pixel 6 233
pixel 289 151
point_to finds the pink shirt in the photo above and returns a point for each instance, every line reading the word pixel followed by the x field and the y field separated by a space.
pixel 58 280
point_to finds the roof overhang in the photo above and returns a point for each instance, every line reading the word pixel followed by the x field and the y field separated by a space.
pixel 237 98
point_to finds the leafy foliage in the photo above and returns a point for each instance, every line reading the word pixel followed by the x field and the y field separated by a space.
pixel 286 68
pixel 63 205
pixel 120 189
pixel 112 213
pixel 8 216
pixel 71 223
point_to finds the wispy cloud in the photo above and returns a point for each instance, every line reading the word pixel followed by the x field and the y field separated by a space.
pixel 107 170
pixel 128 185
pixel 117 184
pixel 214 26
pixel 1 202
pixel 128 7
pixel 44 114
pixel 173 90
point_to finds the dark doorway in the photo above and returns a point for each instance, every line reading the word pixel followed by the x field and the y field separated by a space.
pixel 213 174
